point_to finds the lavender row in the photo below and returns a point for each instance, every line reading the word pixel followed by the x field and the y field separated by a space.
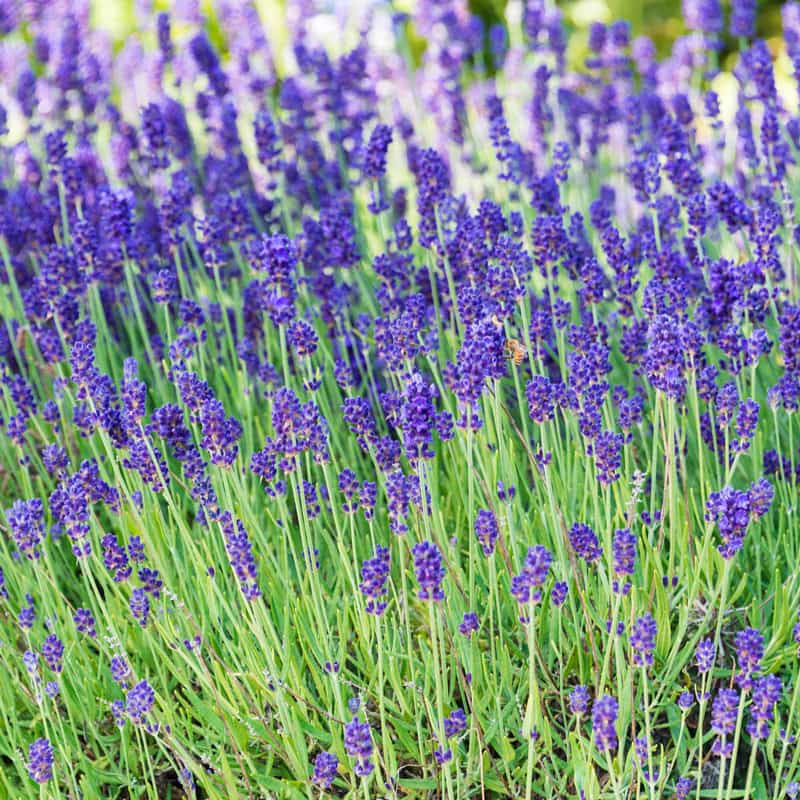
pixel 398 424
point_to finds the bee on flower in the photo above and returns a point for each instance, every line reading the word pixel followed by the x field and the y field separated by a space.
pixel 515 351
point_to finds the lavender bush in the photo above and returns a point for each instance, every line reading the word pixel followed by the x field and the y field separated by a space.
pixel 390 421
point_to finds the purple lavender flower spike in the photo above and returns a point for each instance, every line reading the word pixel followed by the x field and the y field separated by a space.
pixel 705 656
pixel 139 702
pixel 26 523
pixel 526 586
pixel 643 640
pixel 749 652
pixel 429 570
pixel 724 713
pixel 579 700
pixel 326 766
pixel 469 624
pixel 358 744
pixel 40 761
pixel 766 693
pixel 624 547
pixel 374 574
pixel 486 530
pixel 584 541
pixel 604 721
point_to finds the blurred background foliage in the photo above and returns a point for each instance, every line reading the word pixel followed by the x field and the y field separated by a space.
pixel 661 20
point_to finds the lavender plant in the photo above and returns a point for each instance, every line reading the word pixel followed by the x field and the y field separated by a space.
pixel 390 421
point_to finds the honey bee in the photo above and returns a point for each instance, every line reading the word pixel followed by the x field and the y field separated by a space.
pixel 515 351
pixel 21 338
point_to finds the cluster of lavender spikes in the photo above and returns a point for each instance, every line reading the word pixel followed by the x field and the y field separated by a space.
pixel 463 379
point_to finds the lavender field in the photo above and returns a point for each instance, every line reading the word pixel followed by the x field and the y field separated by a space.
pixel 398 405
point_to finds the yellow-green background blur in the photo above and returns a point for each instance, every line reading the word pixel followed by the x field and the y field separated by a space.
pixel 659 19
